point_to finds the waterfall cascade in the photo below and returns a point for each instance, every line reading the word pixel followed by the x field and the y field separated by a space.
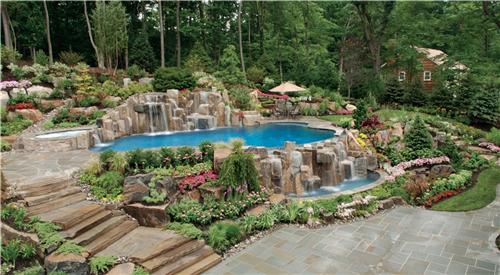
pixel 97 139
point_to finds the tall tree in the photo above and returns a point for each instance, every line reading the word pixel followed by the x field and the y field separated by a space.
pixel 98 54
pixel 178 32
pixel 7 36
pixel 242 61
pixel 374 22
pixel 162 33
pixel 47 30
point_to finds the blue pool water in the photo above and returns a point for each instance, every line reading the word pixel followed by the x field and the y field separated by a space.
pixel 344 186
pixel 272 135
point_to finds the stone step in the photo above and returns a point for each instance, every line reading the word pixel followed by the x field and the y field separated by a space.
pixel 43 187
pixel 141 243
pixel 58 213
pixel 111 236
pixel 69 190
pixel 83 213
pixel 161 248
pixel 184 262
pixel 172 256
pixel 57 203
pixel 85 225
pixel 202 266
pixel 92 234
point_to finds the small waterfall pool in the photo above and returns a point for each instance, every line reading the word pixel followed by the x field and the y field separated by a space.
pixel 343 186
pixel 272 135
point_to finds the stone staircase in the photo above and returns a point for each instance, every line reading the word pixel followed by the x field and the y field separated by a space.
pixel 113 233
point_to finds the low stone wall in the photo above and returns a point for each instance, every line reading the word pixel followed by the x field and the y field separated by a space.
pixel 58 144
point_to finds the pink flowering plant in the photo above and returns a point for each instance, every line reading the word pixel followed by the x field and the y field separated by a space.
pixel 191 182
pixel 399 169
pixel 490 146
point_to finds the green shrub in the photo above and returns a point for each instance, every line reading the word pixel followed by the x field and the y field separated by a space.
pixel 248 223
pixel 16 71
pixel 69 247
pixel 15 249
pixel 118 163
pixel 185 156
pixel 475 162
pixel 9 55
pixel 266 220
pixel 222 235
pixel 106 158
pixel 15 126
pixel 453 182
pixel 485 104
pixel 189 211
pixel 418 137
pixel 168 156
pixel 88 101
pixel 238 170
pixel 41 58
pixel 241 98
pixel 359 115
pixel 141 55
pixel 139 159
pixel 32 270
pixel 138 270
pixel 207 150
pixel 109 87
pixel 101 264
pixel 135 72
pixel 449 149
pixel 186 229
pixel 47 232
pixel 255 74
pixel 494 136
pixel 172 78
pixel 70 58
pixel 229 65
pixel 323 108
pixel 108 186
pixel 5 146
pixel 57 93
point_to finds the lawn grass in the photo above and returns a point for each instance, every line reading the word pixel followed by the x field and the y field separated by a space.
pixel 336 118
pixel 479 196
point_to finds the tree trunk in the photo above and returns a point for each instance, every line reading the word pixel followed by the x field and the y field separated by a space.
pixel 126 58
pixel 6 29
pixel 162 39
pixel 261 26
pixel 98 55
pixel 240 39
pixel 178 33
pixel 47 30
pixel 373 44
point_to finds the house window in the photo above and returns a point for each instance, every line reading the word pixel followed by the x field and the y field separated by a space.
pixel 402 75
pixel 427 76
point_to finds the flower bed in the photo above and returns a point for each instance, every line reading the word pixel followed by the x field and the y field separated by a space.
pixel 490 146
pixel 191 182
pixel 399 169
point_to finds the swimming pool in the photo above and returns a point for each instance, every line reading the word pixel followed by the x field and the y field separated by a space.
pixel 272 135
pixel 343 186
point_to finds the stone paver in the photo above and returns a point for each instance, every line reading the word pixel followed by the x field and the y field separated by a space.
pixel 401 240
pixel 22 167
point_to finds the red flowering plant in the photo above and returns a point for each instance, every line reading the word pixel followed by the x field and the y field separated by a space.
pixel 441 196
pixel 191 182
pixel 20 106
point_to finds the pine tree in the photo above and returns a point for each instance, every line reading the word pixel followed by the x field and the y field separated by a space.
pixel 141 53
pixel 229 70
pixel 418 137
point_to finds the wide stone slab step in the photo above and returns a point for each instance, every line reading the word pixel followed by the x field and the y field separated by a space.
pixel 141 243
pixel 57 203
pixel 111 236
pixel 58 213
pixel 75 217
pixel 202 265
pixel 172 256
pixel 34 190
pixel 85 225
pixel 69 190
pixel 92 234
pixel 161 248
pixel 185 261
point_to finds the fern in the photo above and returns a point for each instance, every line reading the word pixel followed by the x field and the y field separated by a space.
pixel 101 264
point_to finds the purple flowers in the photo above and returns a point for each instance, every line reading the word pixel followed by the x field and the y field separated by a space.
pixel 399 169
pixel 9 85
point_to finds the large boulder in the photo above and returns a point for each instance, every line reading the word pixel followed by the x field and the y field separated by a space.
pixel 220 154
pixel 441 170
pixel 86 111
pixel 351 108
pixel 31 114
pixel 39 90
pixel 148 215
pixel 134 192
pixel 73 264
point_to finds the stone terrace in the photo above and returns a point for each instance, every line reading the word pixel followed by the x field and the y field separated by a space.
pixel 401 240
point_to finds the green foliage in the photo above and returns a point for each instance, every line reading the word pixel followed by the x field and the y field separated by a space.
pixel 229 67
pixel 452 151
pixel 323 108
pixel 486 104
pixel 135 72
pixel 185 229
pixel 9 55
pixel 141 55
pixel 359 115
pixel 118 163
pixel 172 78
pixel 479 196
pixel 266 220
pixel 418 137
pixel 70 58
pixel 139 159
pixel 5 146
pixel 475 162
pixel 15 214
pixel 255 74
pixel 101 264
pixel 47 232
pixel 138 270
pixel 14 249
pixel 241 98
pixel 106 158
pixel 394 92
pixel 453 182
pixel 108 103
pixel 248 223
pixel 222 235
pixel 207 150
pixel 89 101
pixel 16 71
pixel 108 186
pixel 41 58
pixel 69 247
pixel 238 170
pixel 32 270
pixel 494 136
pixel 15 126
